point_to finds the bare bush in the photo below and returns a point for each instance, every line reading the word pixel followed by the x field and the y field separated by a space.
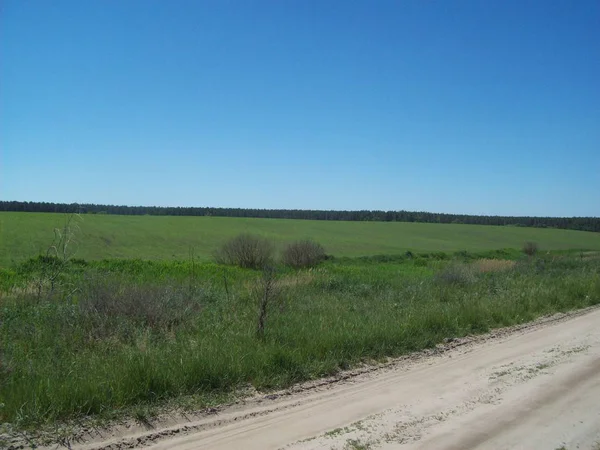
pixel 246 250
pixel 456 274
pixel 305 253
pixel 530 248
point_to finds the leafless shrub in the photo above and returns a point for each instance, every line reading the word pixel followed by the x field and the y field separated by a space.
pixel 302 254
pixel 269 290
pixel 530 248
pixel 457 274
pixel 247 251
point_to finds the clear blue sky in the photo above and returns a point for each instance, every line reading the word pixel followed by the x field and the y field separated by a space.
pixel 466 106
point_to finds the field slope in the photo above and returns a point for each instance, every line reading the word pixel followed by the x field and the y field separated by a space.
pixel 23 235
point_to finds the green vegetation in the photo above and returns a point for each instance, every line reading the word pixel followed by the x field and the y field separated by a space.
pixel 356 444
pixel 170 238
pixel 128 335
pixel 568 223
pixel 106 336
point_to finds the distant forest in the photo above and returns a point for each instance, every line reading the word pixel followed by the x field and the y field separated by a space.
pixel 571 223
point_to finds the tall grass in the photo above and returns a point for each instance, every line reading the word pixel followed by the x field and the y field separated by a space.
pixel 138 332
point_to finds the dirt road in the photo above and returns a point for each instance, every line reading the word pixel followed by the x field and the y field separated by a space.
pixel 533 388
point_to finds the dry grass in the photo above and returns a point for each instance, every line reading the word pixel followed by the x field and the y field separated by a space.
pixel 298 279
pixel 589 255
pixel 29 288
pixel 493 265
pixel 157 306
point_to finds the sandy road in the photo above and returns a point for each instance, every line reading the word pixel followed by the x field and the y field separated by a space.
pixel 533 388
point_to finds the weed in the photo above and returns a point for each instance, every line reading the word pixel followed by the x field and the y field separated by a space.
pixel 356 444
pixel 336 432
pixel 57 255
pixel 144 416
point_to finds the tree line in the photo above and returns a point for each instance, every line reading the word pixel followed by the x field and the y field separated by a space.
pixel 572 223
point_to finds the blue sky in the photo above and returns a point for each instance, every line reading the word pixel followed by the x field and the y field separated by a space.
pixel 483 107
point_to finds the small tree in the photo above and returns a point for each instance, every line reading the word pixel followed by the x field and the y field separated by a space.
pixel 269 290
pixel 305 253
pixel 530 248
pixel 246 251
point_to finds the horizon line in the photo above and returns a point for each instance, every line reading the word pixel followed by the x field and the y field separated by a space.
pixel 292 209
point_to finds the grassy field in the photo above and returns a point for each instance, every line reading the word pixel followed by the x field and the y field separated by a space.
pixel 167 238
pixel 121 337
pixel 136 323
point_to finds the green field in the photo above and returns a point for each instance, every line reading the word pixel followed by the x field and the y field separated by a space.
pixel 23 235
pixel 134 325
